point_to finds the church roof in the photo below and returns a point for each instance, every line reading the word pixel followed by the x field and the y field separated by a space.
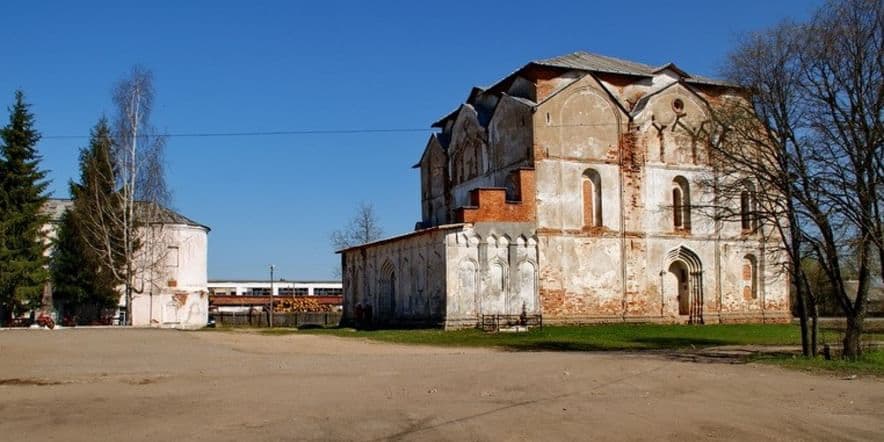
pixel 164 215
pixel 56 207
pixel 590 62
pixel 587 61
pixel 404 235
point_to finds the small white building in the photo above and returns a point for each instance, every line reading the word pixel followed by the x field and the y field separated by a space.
pixel 171 272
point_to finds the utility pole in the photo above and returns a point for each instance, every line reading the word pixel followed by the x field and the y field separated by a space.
pixel 272 267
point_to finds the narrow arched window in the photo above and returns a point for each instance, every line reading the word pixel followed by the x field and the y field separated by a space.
pixel 497 279
pixel 681 203
pixel 750 277
pixel 676 208
pixel 592 198
pixel 747 208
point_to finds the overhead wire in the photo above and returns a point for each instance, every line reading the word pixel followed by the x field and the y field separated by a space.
pixel 301 132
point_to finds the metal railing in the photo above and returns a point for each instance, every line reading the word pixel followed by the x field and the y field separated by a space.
pixel 493 323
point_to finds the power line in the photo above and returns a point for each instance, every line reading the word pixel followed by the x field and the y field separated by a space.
pixel 260 133
pixel 303 132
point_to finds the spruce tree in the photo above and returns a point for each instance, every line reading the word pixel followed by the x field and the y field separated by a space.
pixel 23 270
pixel 80 292
pixel 94 220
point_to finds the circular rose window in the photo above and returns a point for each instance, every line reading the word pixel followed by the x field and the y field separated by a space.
pixel 678 105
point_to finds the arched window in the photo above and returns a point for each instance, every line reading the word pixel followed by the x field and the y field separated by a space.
pixel 386 307
pixel 592 198
pixel 676 207
pixel 497 279
pixel 471 162
pixel 467 277
pixel 747 208
pixel 527 287
pixel 750 277
pixel 681 203
pixel 457 167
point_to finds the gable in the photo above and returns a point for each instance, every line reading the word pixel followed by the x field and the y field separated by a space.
pixel 661 104
pixel 581 121
pixel 432 144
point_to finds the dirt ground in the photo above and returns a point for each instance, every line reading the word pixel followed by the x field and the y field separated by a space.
pixel 102 384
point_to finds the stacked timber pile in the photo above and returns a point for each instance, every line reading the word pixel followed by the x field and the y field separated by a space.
pixel 300 304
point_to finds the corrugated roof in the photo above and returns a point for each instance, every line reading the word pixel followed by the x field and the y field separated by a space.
pixel 55 208
pixel 697 79
pixel 586 61
pixel 164 215
pixel 404 235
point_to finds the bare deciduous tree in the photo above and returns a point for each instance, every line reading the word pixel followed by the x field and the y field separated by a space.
pixel 752 150
pixel 843 86
pixel 363 228
pixel 121 226
pixel 139 163
pixel 809 134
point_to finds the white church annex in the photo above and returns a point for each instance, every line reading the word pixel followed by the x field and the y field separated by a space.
pixel 172 289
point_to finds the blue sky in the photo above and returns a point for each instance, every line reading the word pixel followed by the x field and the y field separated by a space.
pixel 268 66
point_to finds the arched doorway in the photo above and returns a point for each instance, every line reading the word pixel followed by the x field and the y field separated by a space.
pixel 685 270
pixel 680 271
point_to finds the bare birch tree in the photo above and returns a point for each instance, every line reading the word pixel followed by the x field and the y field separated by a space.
pixel 138 156
pixel 123 226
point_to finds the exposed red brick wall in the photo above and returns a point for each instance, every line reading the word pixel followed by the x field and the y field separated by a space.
pixel 491 204
pixel 545 80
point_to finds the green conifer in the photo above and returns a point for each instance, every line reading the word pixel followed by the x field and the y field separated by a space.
pixel 23 264
pixel 96 235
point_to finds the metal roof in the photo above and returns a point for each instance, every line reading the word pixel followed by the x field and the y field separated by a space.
pixel 587 61
pixel 55 208
pixel 163 215
pixel 404 235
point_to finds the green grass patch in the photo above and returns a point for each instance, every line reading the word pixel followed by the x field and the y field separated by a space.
pixel 594 337
pixel 871 363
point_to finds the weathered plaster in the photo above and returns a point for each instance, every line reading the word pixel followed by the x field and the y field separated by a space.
pixel 606 152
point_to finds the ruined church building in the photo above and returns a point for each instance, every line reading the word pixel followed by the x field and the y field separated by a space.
pixel 566 189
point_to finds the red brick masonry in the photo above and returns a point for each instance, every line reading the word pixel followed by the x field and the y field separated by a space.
pixel 490 204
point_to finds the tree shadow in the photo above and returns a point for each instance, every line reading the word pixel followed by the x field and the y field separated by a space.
pixel 630 345
pixel 674 343
pixel 562 346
